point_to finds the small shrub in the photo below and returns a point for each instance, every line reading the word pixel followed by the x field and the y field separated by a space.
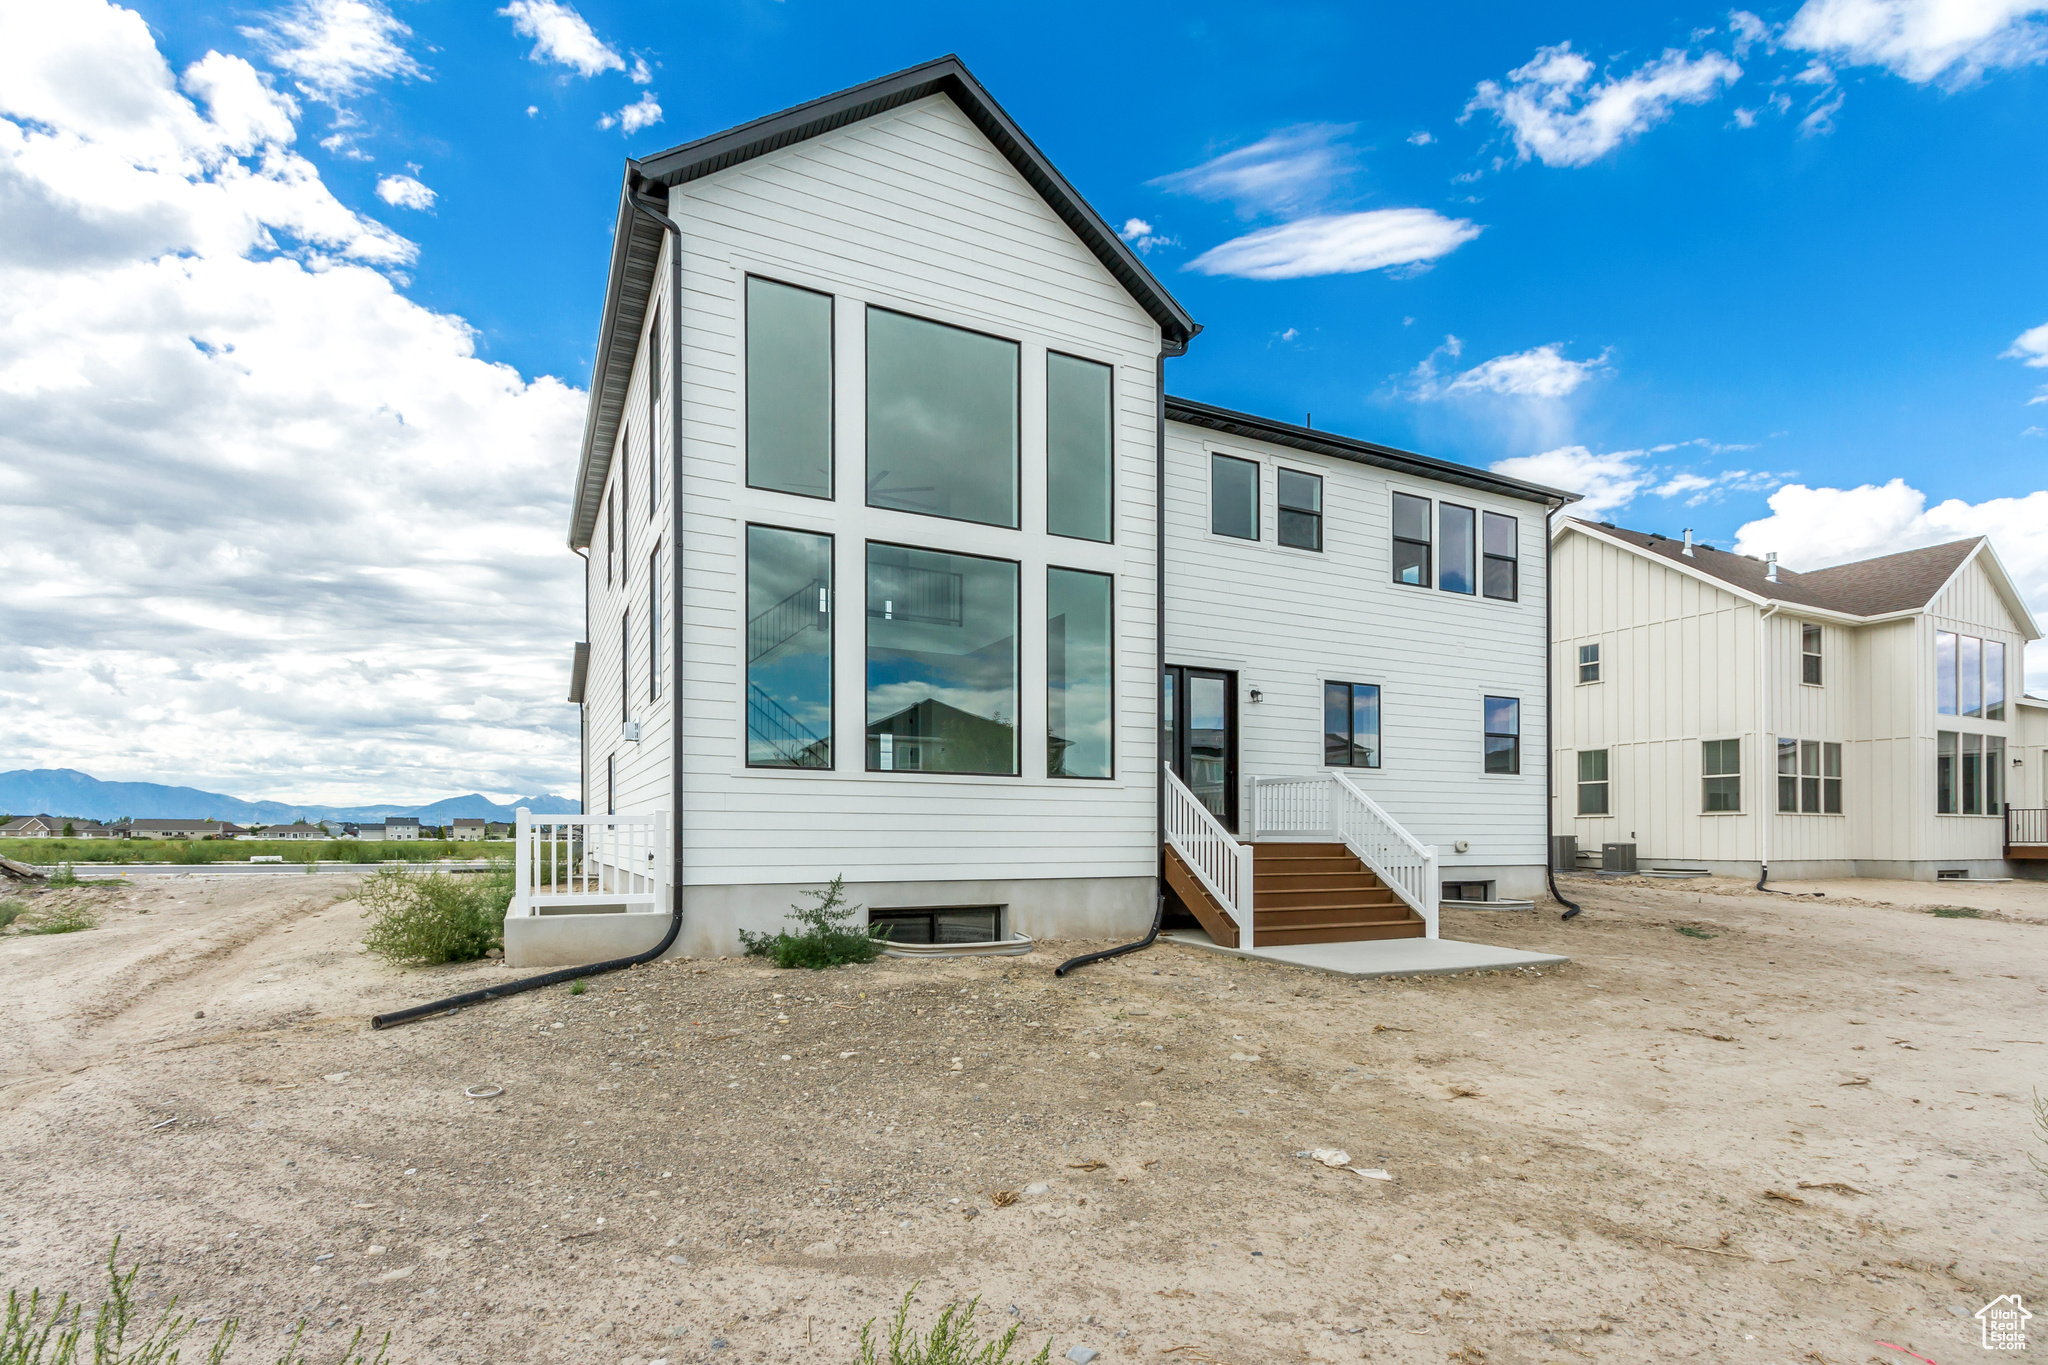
pixel 346 851
pixel 432 917
pixel 952 1340
pixel 1953 912
pixel 62 919
pixel 1692 931
pixel 577 988
pixel 827 937
pixel 65 875
pixel 37 1331
pixel 10 911
pixel 189 853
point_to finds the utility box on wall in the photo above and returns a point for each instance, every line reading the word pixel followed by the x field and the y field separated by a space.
pixel 1618 859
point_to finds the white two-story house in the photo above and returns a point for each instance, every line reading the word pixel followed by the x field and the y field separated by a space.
pixel 1723 712
pixel 902 567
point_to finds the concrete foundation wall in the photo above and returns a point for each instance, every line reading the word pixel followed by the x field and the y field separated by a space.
pixel 1900 869
pixel 1510 883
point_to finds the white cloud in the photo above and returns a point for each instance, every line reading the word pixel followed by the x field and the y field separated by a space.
pixel 273 527
pixel 1339 244
pixel 1540 372
pixel 643 113
pixel 335 48
pixel 1140 235
pixel 642 73
pixel 2030 346
pixel 402 191
pixel 1748 30
pixel 561 35
pixel 1285 171
pixel 1557 116
pixel 1421 139
pixel 1950 41
pixel 1608 482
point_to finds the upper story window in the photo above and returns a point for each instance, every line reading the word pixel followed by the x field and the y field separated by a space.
pixel 611 513
pixel 1592 782
pixel 1589 663
pixel 1351 725
pixel 1969 676
pixel 653 412
pixel 1503 735
pixel 1454 569
pixel 789 389
pixel 1411 540
pixel 1234 497
pixel 1809 655
pixel 625 463
pixel 1079 483
pixel 1501 575
pixel 942 420
pixel 1720 775
pixel 1994 680
pixel 1301 509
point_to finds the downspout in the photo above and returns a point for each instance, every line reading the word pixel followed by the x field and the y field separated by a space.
pixel 1550 721
pixel 1166 351
pixel 582 709
pixel 675 922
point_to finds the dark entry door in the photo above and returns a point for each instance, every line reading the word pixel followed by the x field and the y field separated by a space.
pixel 1200 709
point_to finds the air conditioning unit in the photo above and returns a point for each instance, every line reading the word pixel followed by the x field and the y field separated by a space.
pixel 630 732
pixel 1618 859
pixel 1564 852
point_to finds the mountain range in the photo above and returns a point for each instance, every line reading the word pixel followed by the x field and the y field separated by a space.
pixel 66 791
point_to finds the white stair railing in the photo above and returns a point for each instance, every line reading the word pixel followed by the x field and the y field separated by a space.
pixel 1332 807
pixel 567 861
pixel 1212 853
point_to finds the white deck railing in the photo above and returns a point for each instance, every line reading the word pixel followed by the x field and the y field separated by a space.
pixel 1331 806
pixel 563 862
pixel 1212 853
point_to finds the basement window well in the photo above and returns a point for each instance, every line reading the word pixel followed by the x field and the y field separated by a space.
pixel 955 924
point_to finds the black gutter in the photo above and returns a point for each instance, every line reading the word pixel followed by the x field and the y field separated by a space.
pixel 1158 673
pixel 1550 784
pixel 675 498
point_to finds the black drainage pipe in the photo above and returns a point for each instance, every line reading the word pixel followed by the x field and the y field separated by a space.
pixel 1158 916
pixel 531 983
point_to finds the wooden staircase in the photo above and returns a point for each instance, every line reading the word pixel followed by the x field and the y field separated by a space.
pixel 1302 893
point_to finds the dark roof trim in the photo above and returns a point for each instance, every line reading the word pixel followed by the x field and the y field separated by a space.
pixel 1245 426
pixel 947 76
pixel 636 247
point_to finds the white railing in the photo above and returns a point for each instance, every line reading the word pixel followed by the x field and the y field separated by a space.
pixel 1212 853
pixel 562 862
pixel 1331 806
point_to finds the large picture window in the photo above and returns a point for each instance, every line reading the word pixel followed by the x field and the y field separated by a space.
pixel 1301 509
pixel 941 662
pixel 789 648
pixel 942 420
pixel 1079 484
pixel 789 389
pixel 1994 680
pixel 1809 777
pixel 1234 497
pixel 1970 674
pixel 1079 713
pixel 1945 672
pixel 1503 735
pixel 1592 782
pixel 1454 568
pixel 1502 571
pixel 1411 540
pixel 1351 725
pixel 1720 775
pixel 1973 774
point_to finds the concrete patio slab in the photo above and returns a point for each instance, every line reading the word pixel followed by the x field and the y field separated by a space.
pixel 1382 957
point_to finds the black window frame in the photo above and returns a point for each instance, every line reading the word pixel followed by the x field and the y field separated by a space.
pixel 1471 568
pixel 1110 672
pixel 867 420
pixel 1110 537
pixel 1592 662
pixel 1586 784
pixel 829 609
pixel 1017 675
pixel 654 623
pixel 1283 510
pixel 1487 559
pixel 611 537
pixel 831 395
pixel 1810 672
pixel 654 413
pixel 1396 539
pixel 1486 747
pixel 1352 691
pixel 626 666
pixel 1258 497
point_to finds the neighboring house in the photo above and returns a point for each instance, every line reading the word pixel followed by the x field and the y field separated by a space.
pixel 467 829
pixel 401 827
pixel 921 599
pixel 497 830
pixel 1721 711
pixel 182 829
pixel 297 830
pixel 54 827
pixel 370 832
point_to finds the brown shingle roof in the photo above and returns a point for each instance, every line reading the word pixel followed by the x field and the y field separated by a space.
pixel 1868 587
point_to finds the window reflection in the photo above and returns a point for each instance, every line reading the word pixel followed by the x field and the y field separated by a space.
pixel 942 662
pixel 942 420
pixel 1077 674
pixel 789 649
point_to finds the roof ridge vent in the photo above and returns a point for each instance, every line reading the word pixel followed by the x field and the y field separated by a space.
pixel 1687 551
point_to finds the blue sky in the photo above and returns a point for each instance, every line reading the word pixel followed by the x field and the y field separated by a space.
pixel 1775 275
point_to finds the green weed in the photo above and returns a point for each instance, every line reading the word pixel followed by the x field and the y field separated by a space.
pixel 433 917
pixel 65 875
pixel 951 1341
pixel 10 911
pixel 40 1331
pixel 1692 931
pixel 1953 912
pixel 64 919
pixel 577 988
pixel 827 936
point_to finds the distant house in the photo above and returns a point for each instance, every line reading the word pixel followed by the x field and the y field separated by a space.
pixel 401 827
pixel 498 830
pixel 467 829
pixel 182 829
pixel 296 830
pixel 370 833
pixel 53 827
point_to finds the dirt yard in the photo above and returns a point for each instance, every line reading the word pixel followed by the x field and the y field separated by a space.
pixel 1737 1127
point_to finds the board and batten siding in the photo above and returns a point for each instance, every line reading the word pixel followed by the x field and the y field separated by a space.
pixel 1969 605
pixel 642 768
pixel 1288 620
pixel 915 211
pixel 1677 667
